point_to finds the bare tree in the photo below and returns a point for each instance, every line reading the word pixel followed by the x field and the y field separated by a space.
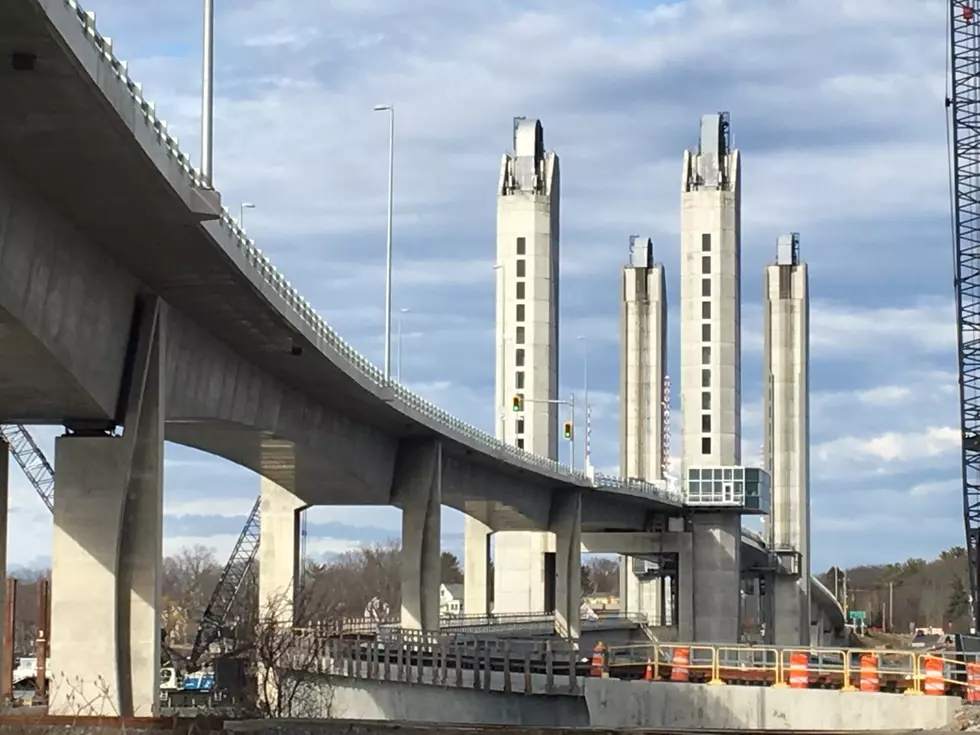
pixel 287 661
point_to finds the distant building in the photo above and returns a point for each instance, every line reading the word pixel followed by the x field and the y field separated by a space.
pixel 450 600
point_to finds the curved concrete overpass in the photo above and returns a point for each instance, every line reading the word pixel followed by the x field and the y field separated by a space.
pixel 254 374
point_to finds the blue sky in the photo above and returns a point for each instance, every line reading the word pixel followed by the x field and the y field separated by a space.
pixel 839 114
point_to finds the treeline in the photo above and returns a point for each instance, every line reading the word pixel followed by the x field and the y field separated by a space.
pixel 913 594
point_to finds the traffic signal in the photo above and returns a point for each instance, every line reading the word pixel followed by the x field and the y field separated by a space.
pixel 568 429
pixel 518 402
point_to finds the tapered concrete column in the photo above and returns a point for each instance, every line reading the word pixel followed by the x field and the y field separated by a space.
pixel 417 490
pixel 279 553
pixel 520 570
pixel 717 577
pixel 566 523
pixel 108 550
pixel 476 567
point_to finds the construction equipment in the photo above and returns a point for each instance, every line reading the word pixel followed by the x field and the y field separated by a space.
pixel 32 461
pixel 229 585
pixel 963 106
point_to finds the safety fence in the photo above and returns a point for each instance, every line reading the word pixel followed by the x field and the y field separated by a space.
pixel 456 660
pixel 846 669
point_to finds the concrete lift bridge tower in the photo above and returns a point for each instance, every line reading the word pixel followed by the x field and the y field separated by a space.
pixel 711 375
pixel 526 409
pixel 786 438
pixel 644 414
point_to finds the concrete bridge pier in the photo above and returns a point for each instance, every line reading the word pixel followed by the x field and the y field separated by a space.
pixel 108 547
pixel 566 524
pixel 279 560
pixel 476 567
pixel 417 490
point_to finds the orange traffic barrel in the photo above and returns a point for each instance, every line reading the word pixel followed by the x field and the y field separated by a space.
pixel 973 682
pixel 934 683
pixel 679 663
pixel 869 673
pixel 648 674
pixel 799 674
pixel 598 660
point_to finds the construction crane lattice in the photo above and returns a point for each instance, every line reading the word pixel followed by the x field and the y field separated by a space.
pixel 963 104
pixel 28 455
pixel 229 585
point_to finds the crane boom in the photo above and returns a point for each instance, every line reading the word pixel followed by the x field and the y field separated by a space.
pixel 964 103
pixel 230 583
pixel 31 459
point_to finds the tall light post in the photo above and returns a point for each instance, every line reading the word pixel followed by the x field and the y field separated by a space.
pixel 241 213
pixel 401 313
pixel 390 109
pixel 585 389
pixel 207 96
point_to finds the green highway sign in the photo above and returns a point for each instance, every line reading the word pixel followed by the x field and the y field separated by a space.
pixel 858 614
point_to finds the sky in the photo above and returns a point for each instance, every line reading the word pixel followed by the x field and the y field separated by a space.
pixel 838 112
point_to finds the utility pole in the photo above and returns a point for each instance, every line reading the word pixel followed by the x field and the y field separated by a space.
pixel 891 606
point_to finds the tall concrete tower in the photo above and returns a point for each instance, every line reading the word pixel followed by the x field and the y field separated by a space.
pixel 643 408
pixel 643 365
pixel 786 436
pixel 526 354
pixel 710 299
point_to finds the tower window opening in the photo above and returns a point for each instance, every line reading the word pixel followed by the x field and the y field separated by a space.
pixel 705 309
pixel 520 289
pixel 705 444
pixel 520 443
pixel 520 312
pixel 520 426
pixel 706 287
pixel 706 422
pixel 706 242
pixel 706 400
pixel 521 246
pixel 519 336
pixel 705 355
pixel 705 379
pixel 519 357
pixel 705 332
pixel 705 264
pixel 519 379
pixel 521 268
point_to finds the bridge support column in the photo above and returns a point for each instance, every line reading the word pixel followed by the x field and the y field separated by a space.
pixel 717 538
pixel 4 496
pixel 476 567
pixel 279 553
pixel 108 549
pixel 566 523
pixel 790 610
pixel 417 490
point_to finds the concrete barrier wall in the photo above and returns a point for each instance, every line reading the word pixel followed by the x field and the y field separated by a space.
pixel 640 704
pixel 365 699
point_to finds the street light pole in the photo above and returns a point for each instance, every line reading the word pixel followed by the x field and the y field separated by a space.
pixel 390 109
pixel 241 213
pixel 587 409
pixel 207 96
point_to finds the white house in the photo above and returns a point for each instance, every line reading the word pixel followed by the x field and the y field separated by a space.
pixel 450 600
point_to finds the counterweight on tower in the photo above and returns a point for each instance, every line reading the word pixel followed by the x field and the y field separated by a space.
pixel 964 105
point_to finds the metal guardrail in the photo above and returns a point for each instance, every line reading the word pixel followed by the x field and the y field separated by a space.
pixel 302 308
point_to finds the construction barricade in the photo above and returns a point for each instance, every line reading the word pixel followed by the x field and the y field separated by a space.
pixel 869 681
pixel 799 670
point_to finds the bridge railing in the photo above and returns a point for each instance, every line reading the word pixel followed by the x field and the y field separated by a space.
pixel 305 311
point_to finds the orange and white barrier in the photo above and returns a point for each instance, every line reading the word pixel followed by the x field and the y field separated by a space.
pixel 598 667
pixel 680 664
pixel 933 670
pixel 648 673
pixel 973 682
pixel 869 681
pixel 799 674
